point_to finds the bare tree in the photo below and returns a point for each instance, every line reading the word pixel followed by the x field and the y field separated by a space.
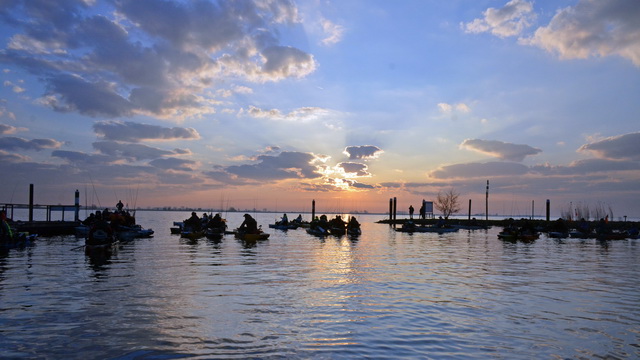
pixel 447 202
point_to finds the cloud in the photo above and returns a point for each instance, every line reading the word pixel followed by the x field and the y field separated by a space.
pixel 8 129
pixel 81 158
pixel 135 132
pixel 593 28
pixel 129 151
pixel 334 32
pixel 482 170
pixel 499 149
pixel 173 164
pixel 151 57
pixel 621 147
pixel 286 165
pixel 7 157
pixel 587 166
pixel 363 152
pixel 16 143
pixel 509 20
pixel 299 114
pixel 354 169
pixel 449 108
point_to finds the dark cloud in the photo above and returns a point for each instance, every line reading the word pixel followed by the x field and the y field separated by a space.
pixel 484 170
pixel 155 57
pixel 73 93
pixel 134 132
pixel 355 168
pixel 7 129
pixel 499 149
pixel 622 147
pixel 363 152
pixel 16 143
pixel 81 158
pixel 358 185
pixel 286 165
pixel 588 166
pixel 129 151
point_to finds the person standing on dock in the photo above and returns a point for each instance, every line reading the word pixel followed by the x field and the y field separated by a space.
pixel 411 212
pixel 119 206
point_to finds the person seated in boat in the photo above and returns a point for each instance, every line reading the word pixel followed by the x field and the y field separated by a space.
pixel 353 223
pixel 298 220
pixel 441 222
pixel 193 222
pixel 6 235
pixel 284 220
pixel 100 225
pixel 119 206
pixel 89 220
pixel 216 222
pixel 338 223
pixel 603 227
pixel 249 225
pixel 320 222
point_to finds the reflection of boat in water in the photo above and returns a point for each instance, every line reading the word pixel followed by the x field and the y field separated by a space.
pixel 426 229
pixel 515 236
pixel 215 234
pixel 318 231
pixel 289 226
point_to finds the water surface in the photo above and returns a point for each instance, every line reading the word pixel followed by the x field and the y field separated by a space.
pixel 464 295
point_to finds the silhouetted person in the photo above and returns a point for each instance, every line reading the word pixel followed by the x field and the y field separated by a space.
pixel 249 225
pixel 411 212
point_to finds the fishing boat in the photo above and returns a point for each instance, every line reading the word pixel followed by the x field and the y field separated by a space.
pixel 245 236
pixel 215 233
pixel 19 240
pixel 100 242
pixel 354 231
pixel 192 234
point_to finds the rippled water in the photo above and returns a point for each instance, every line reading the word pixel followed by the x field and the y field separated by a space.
pixel 464 295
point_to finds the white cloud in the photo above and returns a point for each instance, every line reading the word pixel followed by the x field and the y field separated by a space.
pixel 509 20
pixel 334 32
pixel 593 28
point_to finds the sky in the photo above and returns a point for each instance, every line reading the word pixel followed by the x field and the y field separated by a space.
pixel 269 104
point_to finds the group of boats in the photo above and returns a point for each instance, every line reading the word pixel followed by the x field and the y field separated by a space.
pixel 104 230
pixel 526 231
pixel 214 227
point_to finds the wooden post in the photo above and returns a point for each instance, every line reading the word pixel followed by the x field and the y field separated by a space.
pixel 469 218
pixel 486 205
pixel 313 209
pixel 395 208
pixel 390 210
pixel 30 202
pixel 77 205
pixel 533 212
pixel 548 209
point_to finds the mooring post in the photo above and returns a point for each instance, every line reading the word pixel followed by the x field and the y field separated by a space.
pixel 390 210
pixel 469 218
pixel 30 202
pixel 486 203
pixel 77 204
pixel 548 210
pixel 395 208
pixel 313 209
